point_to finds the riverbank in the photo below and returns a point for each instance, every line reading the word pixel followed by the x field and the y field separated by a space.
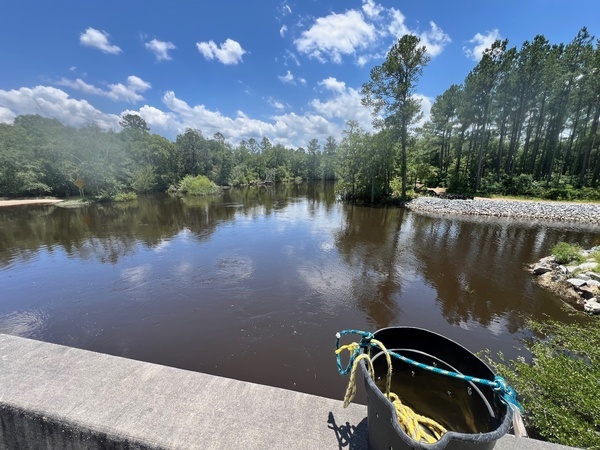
pixel 30 201
pixel 588 213
pixel 576 283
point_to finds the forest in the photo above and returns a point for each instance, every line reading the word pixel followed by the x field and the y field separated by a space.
pixel 524 122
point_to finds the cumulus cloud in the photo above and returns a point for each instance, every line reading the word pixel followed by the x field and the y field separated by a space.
pixel 372 9
pixel 229 52
pixel 480 43
pixel 434 40
pixel 289 78
pixel 129 92
pixel 344 103
pixel 160 49
pixel 335 35
pixel 98 39
pixel 6 115
pixel 54 103
pixel 365 34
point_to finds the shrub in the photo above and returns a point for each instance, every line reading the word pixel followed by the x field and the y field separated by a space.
pixel 125 197
pixel 565 253
pixel 143 179
pixel 559 390
pixel 199 185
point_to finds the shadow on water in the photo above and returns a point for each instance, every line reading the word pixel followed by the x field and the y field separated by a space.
pixel 255 283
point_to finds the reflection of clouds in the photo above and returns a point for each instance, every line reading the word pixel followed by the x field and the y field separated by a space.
pixel 136 275
pixel 24 323
pixel 235 268
pixel 162 245
pixel 327 246
pixel 498 326
pixel 333 284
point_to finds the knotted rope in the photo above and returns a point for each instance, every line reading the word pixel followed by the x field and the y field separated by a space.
pixel 418 427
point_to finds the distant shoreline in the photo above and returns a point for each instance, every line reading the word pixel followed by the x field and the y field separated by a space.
pixel 31 201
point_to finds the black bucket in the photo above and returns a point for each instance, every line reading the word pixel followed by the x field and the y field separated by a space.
pixel 473 414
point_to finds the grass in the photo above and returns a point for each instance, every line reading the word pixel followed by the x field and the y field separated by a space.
pixel 565 253
pixel 559 389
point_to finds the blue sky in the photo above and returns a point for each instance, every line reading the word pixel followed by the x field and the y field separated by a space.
pixel 288 70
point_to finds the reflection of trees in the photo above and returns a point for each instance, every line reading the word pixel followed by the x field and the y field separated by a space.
pixel 368 242
pixel 477 267
pixel 108 231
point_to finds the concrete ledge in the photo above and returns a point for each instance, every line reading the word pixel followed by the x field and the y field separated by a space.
pixel 53 396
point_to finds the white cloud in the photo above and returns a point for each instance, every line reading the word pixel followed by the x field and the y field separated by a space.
pixel 275 103
pixel 372 9
pixel 6 115
pixel 434 40
pixel 54 103
pixel 160 49
pixel 365 34
pixel 426 103
pixel 80 85
pixel 230 51
pixel 289 78
pixel 98 39
pixel 290 56
pixel 397 27
pixel 335 35
pixel 481 42
pixel 129 92
pixel 344 104
pixel 333 84
pixel 282 30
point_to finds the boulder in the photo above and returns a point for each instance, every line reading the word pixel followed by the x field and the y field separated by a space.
pixel 539 269
pixel 588 292
pixel 576 282
pixel 593 283
pixel 592 306
pixel 593 275
pixel 571 269
pixel 587 266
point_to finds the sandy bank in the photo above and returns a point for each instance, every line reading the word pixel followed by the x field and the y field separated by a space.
pixel 32 201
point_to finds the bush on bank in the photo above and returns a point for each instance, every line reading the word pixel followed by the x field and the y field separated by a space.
pixel 199 185
pixel 559 389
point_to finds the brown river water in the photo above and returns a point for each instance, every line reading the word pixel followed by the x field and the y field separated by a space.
pixel 254 285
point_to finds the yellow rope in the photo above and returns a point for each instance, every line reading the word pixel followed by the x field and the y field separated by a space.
pixel 418 427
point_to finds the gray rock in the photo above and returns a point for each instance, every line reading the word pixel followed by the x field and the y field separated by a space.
pixel 571 269
pixel 588 292
pixel 582 276
pixel 592 306
pixel 561 269
pixel 593 283
pixel 576 282
pixel 593 275
pixel 587 266
pixel 540 269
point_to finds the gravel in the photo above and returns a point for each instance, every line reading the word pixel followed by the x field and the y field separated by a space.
pixel 588 213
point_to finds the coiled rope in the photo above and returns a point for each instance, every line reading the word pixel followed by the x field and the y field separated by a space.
pixel 418 427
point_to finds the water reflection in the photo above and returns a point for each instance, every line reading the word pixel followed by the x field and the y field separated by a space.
pixel 254 284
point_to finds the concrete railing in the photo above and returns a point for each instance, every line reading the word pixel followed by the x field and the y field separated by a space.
pixel 57 397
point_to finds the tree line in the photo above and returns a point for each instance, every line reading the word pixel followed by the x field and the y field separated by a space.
pixel 524 122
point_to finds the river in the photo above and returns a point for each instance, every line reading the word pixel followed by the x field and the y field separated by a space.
pixel 254 285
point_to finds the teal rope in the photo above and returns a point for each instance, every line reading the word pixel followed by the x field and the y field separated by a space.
pixel 498 385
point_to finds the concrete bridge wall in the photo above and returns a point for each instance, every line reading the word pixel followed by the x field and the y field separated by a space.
pixel 56 397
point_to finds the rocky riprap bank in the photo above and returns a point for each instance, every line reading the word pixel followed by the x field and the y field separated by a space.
pixel 548 211
pixel 579 284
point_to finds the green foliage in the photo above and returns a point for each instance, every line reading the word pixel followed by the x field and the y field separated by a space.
pixel 143 179
pixel 125 197
pixel 198 185
pixel 565 253
pixel 559 389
